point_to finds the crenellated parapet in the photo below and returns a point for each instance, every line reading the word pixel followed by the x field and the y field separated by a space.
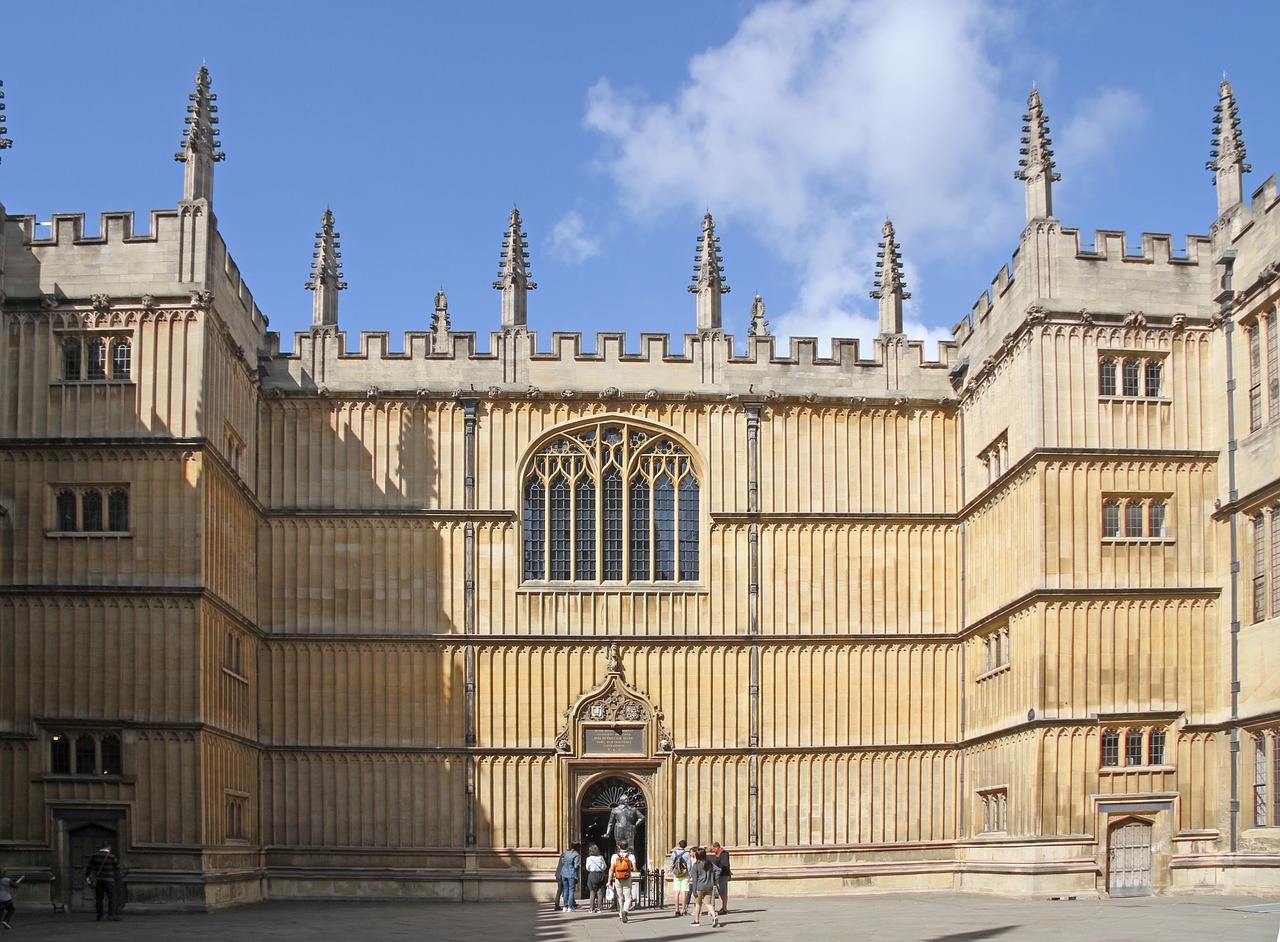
pixel 513 364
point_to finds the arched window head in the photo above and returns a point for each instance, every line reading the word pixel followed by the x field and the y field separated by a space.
pixel 611 502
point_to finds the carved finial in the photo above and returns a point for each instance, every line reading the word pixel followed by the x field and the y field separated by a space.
pixel 200 145
pixel 440 319
pixel 513 277
pixel 890 286
pixel 1036 165
pixel 1227 153
pixel 5 143
pixel 708 276
pixel 759 327
pixel 326 274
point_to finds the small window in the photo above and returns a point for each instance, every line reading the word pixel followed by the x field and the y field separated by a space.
pixel 91 510
pixel 1133 518
pixel 118 510
pixel 1110 519
pixel 86 755
pixel 71 360
pixel 1132 371
pixel 1133 747
pixel 1110 748
pixel 97 366
pixel 111 762
pixel 60 754
pixel 1107 377
pixel 1151 379
pixel 120 359
pixel 1155 519
pixel 66 511
pixel 1155 747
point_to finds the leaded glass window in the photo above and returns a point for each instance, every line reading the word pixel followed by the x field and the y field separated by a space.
pixel 1107 377
pixel 71 360
pixel 120 359
pixel 1110 519
pixel 91 510
pixel 118 510
pixel 1133 747
pixel 611 502
pixel 1110 747
pixel 97 365
pixel 66 511
pixel 1133 518
pixel 1131 373
pixel 86 755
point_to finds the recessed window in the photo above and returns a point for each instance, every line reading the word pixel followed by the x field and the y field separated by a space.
pixel 1131 377
pixel 95 357
pixel 1143 747
pixel 86 510
pixel 85 753
pixel 1135 518
pixel 608 502
pixel 995 808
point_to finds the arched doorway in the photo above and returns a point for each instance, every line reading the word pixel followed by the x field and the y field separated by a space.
pixel 598 803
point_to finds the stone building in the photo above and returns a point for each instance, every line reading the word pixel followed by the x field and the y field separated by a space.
pixel 351 617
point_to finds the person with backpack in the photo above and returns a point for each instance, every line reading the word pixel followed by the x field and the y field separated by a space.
pixel 703 878
pixel 567 879
pixel 622 871
pixel 679 868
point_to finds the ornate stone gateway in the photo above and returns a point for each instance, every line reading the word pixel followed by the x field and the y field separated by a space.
pixel 614 742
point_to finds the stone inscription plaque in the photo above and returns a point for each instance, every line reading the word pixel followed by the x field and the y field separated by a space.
pixel 613 741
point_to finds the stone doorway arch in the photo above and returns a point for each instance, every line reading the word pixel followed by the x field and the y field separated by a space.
pixel 596 804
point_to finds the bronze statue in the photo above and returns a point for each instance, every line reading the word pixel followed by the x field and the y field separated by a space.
pixel 623 821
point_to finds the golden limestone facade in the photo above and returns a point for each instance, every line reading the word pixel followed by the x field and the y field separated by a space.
pixel 404 620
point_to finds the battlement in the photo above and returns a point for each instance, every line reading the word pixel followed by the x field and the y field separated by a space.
pixel 165 260
pixel 321 358
pixel 1055 268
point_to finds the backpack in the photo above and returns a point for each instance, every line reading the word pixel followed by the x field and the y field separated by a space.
pixel 680 866
pixel 622 867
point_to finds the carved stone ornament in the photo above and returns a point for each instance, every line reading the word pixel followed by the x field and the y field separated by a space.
pixel 148 302
pixel 1086 317
pixel 1217 320
pixel 100 302
pixel 494 392
pixel 611 392
pixel 48 302
pixel 202 300
pixel 1135 319
pixel 651 394
pixel 372 392
pixel 568 393
pixel 1179 321
pixel 1036 314
pixel 533 392
pixel 1269 272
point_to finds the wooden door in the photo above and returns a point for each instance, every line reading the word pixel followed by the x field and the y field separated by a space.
pixel 1129 859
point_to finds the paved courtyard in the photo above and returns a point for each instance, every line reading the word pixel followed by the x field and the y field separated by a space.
pixel 932 917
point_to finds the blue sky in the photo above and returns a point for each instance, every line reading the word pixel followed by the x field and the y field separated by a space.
pixel 614 126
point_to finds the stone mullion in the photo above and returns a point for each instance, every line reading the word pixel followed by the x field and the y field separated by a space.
pixel 469 407
pixel 753 621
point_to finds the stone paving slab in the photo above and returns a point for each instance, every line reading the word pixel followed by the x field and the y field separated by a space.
pixel 931 917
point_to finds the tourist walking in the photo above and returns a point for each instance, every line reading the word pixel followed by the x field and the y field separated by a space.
pixel 678 867
pixel 100 873
pixel 6 898
pixel 622 870
pixel 596 867
pixel 567 878
pixel 702 883
pixel 720 857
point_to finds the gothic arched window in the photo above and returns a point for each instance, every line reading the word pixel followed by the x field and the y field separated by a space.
pixel 610 502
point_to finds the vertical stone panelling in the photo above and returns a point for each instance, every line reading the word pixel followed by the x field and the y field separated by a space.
pixel 858 694
pixel 376 694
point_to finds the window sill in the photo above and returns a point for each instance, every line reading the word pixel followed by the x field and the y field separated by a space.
pixel 999 669
pixel 1117 398
pixel 76 777
pixel 1135 540
pixel 1122 769
pixel 105 381
pixel 118 534
pixel 688 588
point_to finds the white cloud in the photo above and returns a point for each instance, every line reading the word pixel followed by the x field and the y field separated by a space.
pixel 571 243
pixel 1092 133
pixel 815 121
